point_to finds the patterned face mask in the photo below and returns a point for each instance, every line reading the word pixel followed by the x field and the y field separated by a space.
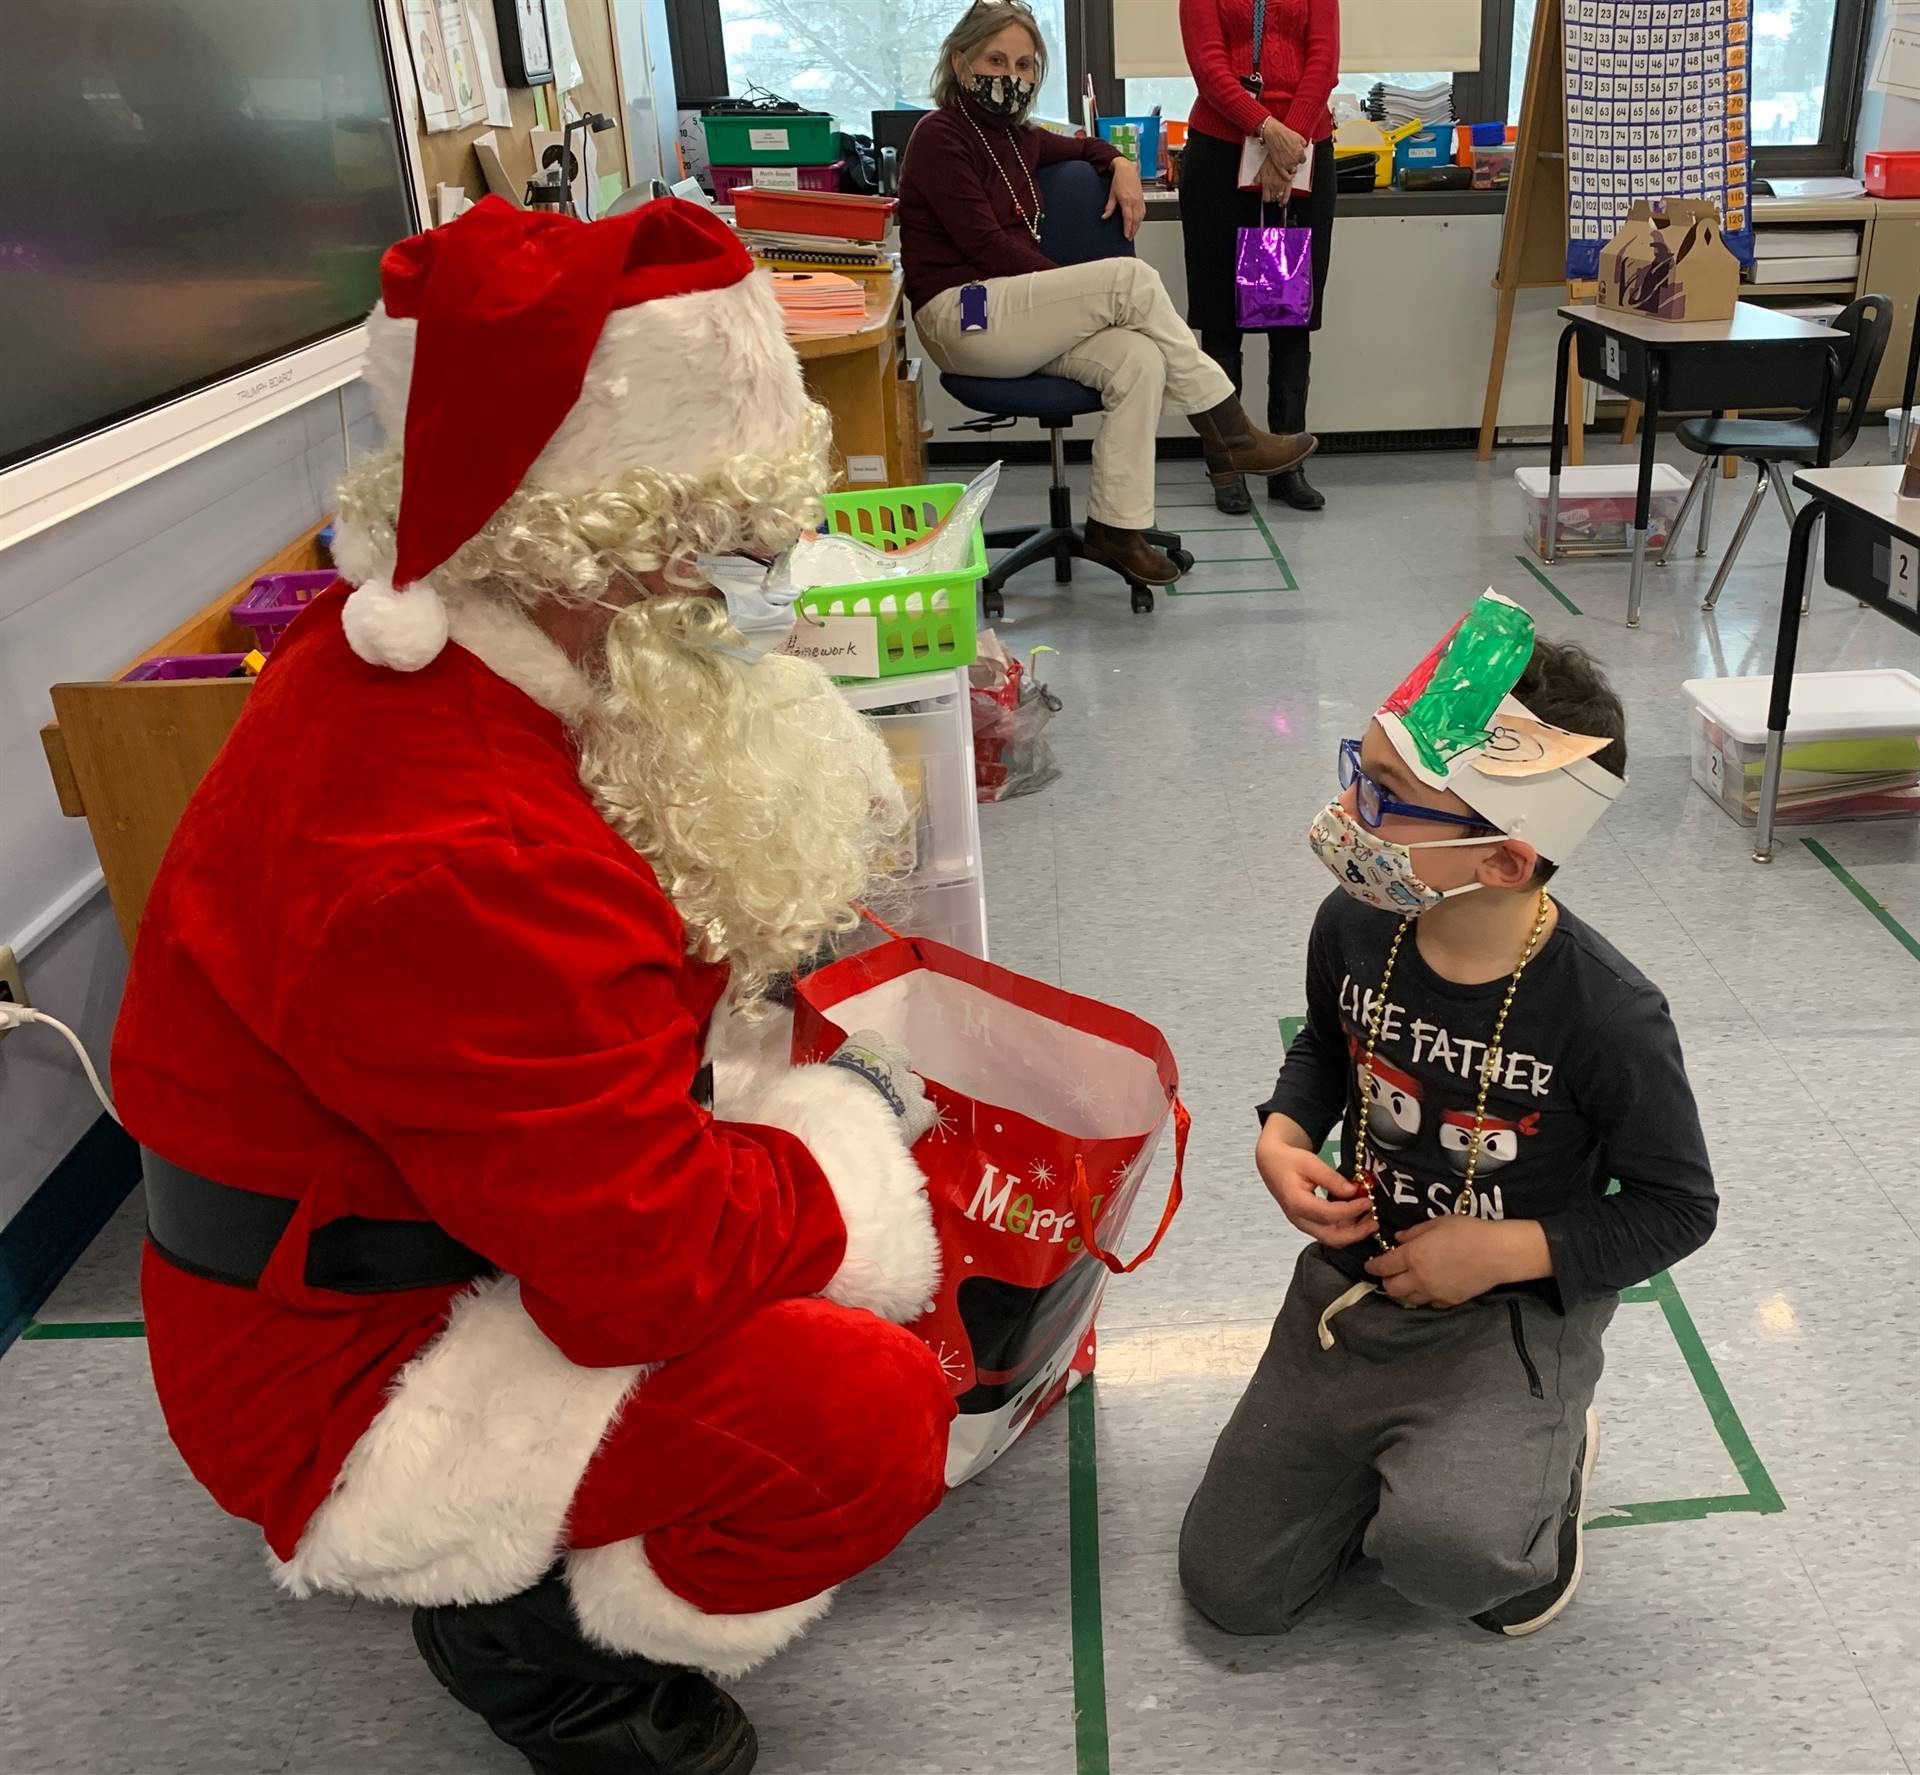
pixel 1375 870
pixel 1002 95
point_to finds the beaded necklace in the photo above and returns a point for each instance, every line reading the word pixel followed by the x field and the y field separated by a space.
pixel 1032 222
pixel 1489 1067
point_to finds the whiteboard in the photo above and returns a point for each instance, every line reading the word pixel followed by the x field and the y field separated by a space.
pixel 1376 36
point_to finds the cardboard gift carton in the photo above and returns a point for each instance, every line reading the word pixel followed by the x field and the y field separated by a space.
pixel 1670 264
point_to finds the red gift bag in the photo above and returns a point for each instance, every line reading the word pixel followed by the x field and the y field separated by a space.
pixel 1050 1108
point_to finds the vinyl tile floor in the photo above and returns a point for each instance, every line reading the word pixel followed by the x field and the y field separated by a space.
pixel 1752 1598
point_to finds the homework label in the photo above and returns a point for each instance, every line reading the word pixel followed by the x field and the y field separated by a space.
pixel 846 646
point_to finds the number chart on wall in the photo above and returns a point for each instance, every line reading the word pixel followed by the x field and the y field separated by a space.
pixel 1657 106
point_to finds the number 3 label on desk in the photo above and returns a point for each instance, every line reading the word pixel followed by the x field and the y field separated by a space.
pixel 1903 576
pixel 1612 360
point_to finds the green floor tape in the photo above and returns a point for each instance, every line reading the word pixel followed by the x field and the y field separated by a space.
pixel 38 1333
pixel 1901 935
pixel 1279 560
pixel 1083 1564
pixel 1545 581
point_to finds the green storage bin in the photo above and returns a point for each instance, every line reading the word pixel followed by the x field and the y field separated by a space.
pixel 928 622
pixel 771 138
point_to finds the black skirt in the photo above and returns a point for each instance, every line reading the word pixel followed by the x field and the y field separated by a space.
pixel 1213 210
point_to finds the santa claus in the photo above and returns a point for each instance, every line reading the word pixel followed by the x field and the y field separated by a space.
pixel 468 1277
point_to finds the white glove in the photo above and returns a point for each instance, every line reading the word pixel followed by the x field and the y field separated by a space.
pixel 883 1064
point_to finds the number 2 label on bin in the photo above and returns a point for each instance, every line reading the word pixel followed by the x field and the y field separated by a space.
pixel 1903 576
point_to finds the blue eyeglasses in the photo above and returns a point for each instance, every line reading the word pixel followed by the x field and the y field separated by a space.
pixel 1374 804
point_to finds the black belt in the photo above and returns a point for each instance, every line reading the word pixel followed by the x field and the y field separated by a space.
pixel 223 1234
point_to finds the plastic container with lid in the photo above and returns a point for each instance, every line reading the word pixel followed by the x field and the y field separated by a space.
pixel 770 138
pixel 1852 746
pixel 1596 507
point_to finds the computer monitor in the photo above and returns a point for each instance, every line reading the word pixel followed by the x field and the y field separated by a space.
pixel 891 130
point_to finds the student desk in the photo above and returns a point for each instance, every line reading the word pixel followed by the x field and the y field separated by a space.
pixel 1872 552
pixel 1756 359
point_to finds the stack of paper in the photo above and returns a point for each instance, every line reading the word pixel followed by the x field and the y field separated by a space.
pixel 1391 106
pixel 819 301
pixel 805 252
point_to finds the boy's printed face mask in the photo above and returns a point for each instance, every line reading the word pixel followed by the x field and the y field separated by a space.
pixel 1376 871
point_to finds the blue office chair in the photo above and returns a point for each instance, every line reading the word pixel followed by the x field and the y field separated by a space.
pixel 1072 194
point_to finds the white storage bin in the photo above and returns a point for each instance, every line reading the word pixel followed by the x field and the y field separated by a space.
pixel 1596 507
pixel 1896 416
pixel 1852 746
pixel 927 723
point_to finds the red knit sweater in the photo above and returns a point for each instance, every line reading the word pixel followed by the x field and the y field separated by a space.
pixel 1300 63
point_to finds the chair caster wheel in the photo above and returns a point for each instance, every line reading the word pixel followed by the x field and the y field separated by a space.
pixel 1181 558
pixel 1142 599
pixel 993 606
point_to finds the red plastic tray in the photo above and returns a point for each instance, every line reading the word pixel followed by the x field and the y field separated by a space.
pixel 837 217
pixel 1893 172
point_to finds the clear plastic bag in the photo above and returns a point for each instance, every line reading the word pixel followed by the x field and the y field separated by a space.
pixel 1011 710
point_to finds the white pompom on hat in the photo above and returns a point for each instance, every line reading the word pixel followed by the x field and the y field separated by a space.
pixel 520 348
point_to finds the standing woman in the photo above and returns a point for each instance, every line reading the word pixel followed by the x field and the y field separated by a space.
pixel 1275 88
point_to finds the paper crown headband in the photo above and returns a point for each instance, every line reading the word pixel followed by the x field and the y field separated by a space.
pixel 1456 725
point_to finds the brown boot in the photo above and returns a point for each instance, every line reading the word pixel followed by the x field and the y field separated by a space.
pixel 1234 445
pixel 1129 553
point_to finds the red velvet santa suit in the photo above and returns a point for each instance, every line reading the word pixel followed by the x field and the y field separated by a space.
pixel 397 966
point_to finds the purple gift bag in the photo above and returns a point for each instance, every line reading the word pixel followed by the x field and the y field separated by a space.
pixel 1273 277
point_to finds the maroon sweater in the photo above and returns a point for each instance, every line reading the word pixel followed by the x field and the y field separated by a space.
pixel 957 216
pixel 1299 64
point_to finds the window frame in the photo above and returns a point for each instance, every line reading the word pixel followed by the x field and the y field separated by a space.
pixel 699 51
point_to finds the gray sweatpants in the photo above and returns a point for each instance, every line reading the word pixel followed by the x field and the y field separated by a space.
pixel 1439 1444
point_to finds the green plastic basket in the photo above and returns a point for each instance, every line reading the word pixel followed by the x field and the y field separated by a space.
pixel 771 138
pixel 928 622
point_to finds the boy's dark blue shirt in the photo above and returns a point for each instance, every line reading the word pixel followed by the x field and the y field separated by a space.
pixel 1591 1086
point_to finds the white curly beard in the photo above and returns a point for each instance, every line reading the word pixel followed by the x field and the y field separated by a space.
pixel 764 801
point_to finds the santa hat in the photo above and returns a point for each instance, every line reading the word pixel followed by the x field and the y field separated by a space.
pixel 517 348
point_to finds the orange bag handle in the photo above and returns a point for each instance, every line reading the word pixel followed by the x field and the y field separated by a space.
pixel 880 924
pixel 1083 1200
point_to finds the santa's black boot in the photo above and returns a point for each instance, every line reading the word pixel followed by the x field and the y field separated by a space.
pixel 572 1709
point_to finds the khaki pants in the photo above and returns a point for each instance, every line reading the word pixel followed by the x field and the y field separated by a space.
pixel 1109 324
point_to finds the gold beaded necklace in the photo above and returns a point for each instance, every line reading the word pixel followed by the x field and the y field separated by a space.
pixel 1489 1067
pixel 1039 215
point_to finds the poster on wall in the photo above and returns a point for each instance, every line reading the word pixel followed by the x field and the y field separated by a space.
pixel 1657 106
pixel 451 77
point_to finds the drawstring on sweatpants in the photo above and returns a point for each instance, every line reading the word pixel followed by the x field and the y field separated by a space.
pixel 1359 1291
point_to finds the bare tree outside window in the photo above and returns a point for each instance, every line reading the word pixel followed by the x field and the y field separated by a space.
pixel 854 57
pixel 1792 48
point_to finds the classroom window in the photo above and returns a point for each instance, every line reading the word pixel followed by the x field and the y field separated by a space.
pixel 855 57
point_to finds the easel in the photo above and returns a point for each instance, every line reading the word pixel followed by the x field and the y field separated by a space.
pixel 1533 237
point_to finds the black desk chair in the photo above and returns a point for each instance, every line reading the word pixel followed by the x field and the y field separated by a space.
pixel 1776 447
pixel 1072 195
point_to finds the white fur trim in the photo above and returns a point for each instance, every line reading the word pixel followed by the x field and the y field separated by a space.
pixel 892 1264
pixel 459 1490
pixel 621 1604
pixel 404 630
pixel 680 384
pixel 749 1055
pixel 511 645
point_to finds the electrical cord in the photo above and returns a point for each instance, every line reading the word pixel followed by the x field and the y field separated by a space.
pixel 19 1016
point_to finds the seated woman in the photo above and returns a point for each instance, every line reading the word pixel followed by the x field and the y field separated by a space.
pixel 970 213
